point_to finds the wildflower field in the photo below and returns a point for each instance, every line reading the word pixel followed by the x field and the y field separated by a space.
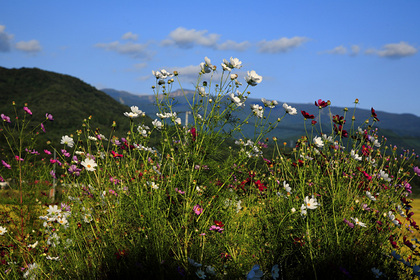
pixel 207 202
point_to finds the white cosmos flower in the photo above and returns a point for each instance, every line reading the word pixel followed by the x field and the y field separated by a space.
pixel 136 110
pixel 269 104
pixel 93 138
pixel 357 222
pixel 303 211
pixel 384 176
pixel 318 142
pixel 368 194
pixel 253 78
pixel 67 140
pixel 89 164
pixel 131 115
pixel 286 187
pixel 235 63
pixel 53 210
pixel 237 100
pixel 289 109
pixel 162 74
pixel 157 124
pixel 206 66
pixel 354 155
pixel 202 92
pixel 258 110
pixel 3 230
pixel 310 203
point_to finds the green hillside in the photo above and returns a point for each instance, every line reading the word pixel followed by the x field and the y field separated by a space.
pixel 68 99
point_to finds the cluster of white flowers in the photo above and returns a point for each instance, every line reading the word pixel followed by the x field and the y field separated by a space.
pixel 269 104
pixel 143 148
pixel 233 202
pixel 153 185
pixel 55 215
pixel 157 124
pixel 166 115
pixel 162 74
pixel 231 64
pixel 238 100
pixel 391 216
pixel 135 112
pixel 206 66
pixel 289 109
pixel 354 155
pixel 142 129
pixel 384 176
pixel 258 110
pixel 255 150
pixel 370 196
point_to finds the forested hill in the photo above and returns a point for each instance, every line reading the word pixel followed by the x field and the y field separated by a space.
pixel 67 98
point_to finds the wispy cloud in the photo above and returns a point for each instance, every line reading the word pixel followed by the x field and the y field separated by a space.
pixel 5 39
pixel 281 45
pixel 32 46
pixel 337 50
pixel 395 50
pixel 130 36
pixel 135 50
pixel 355 49
pixel 342 50
pixel 188 38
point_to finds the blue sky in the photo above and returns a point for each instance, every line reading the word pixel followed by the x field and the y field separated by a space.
pixel 304 50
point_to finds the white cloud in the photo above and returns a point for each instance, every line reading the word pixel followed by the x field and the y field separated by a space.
pixel 132 49
pixel 337 50
pixel 355 49
pixel 5 39
pixel 32 46
pixel 281 45
pixel 396 50
pixel 185 38
pixel 130 36
pixel 232 45
pixel 188 38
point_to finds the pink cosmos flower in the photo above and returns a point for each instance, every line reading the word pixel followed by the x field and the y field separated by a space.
pixel 42 127
pixel 416 170
pixel 5 118
pixel 47 152
pixel 49 117
pixel 27 110
pixel 6 164
pixel 197 209
pixel 18 158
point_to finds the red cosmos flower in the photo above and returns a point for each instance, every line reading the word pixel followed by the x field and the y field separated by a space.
pixel 340 130
pixel 322 104
pixel 408 243
pixel 366 150
pixel 307 116
pixel 193 133
pixel 339 119
pixel 218 223
pixel 313 122
pixel 116 155
pixel 260 186
pixel 393 243
pixel 374 114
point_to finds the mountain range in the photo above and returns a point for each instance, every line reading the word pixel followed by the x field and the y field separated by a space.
pixel 402 130
pixel 71 101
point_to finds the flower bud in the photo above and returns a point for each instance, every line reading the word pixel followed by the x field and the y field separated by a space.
pixel 205 83
pixel 356 101
pixel 175 73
